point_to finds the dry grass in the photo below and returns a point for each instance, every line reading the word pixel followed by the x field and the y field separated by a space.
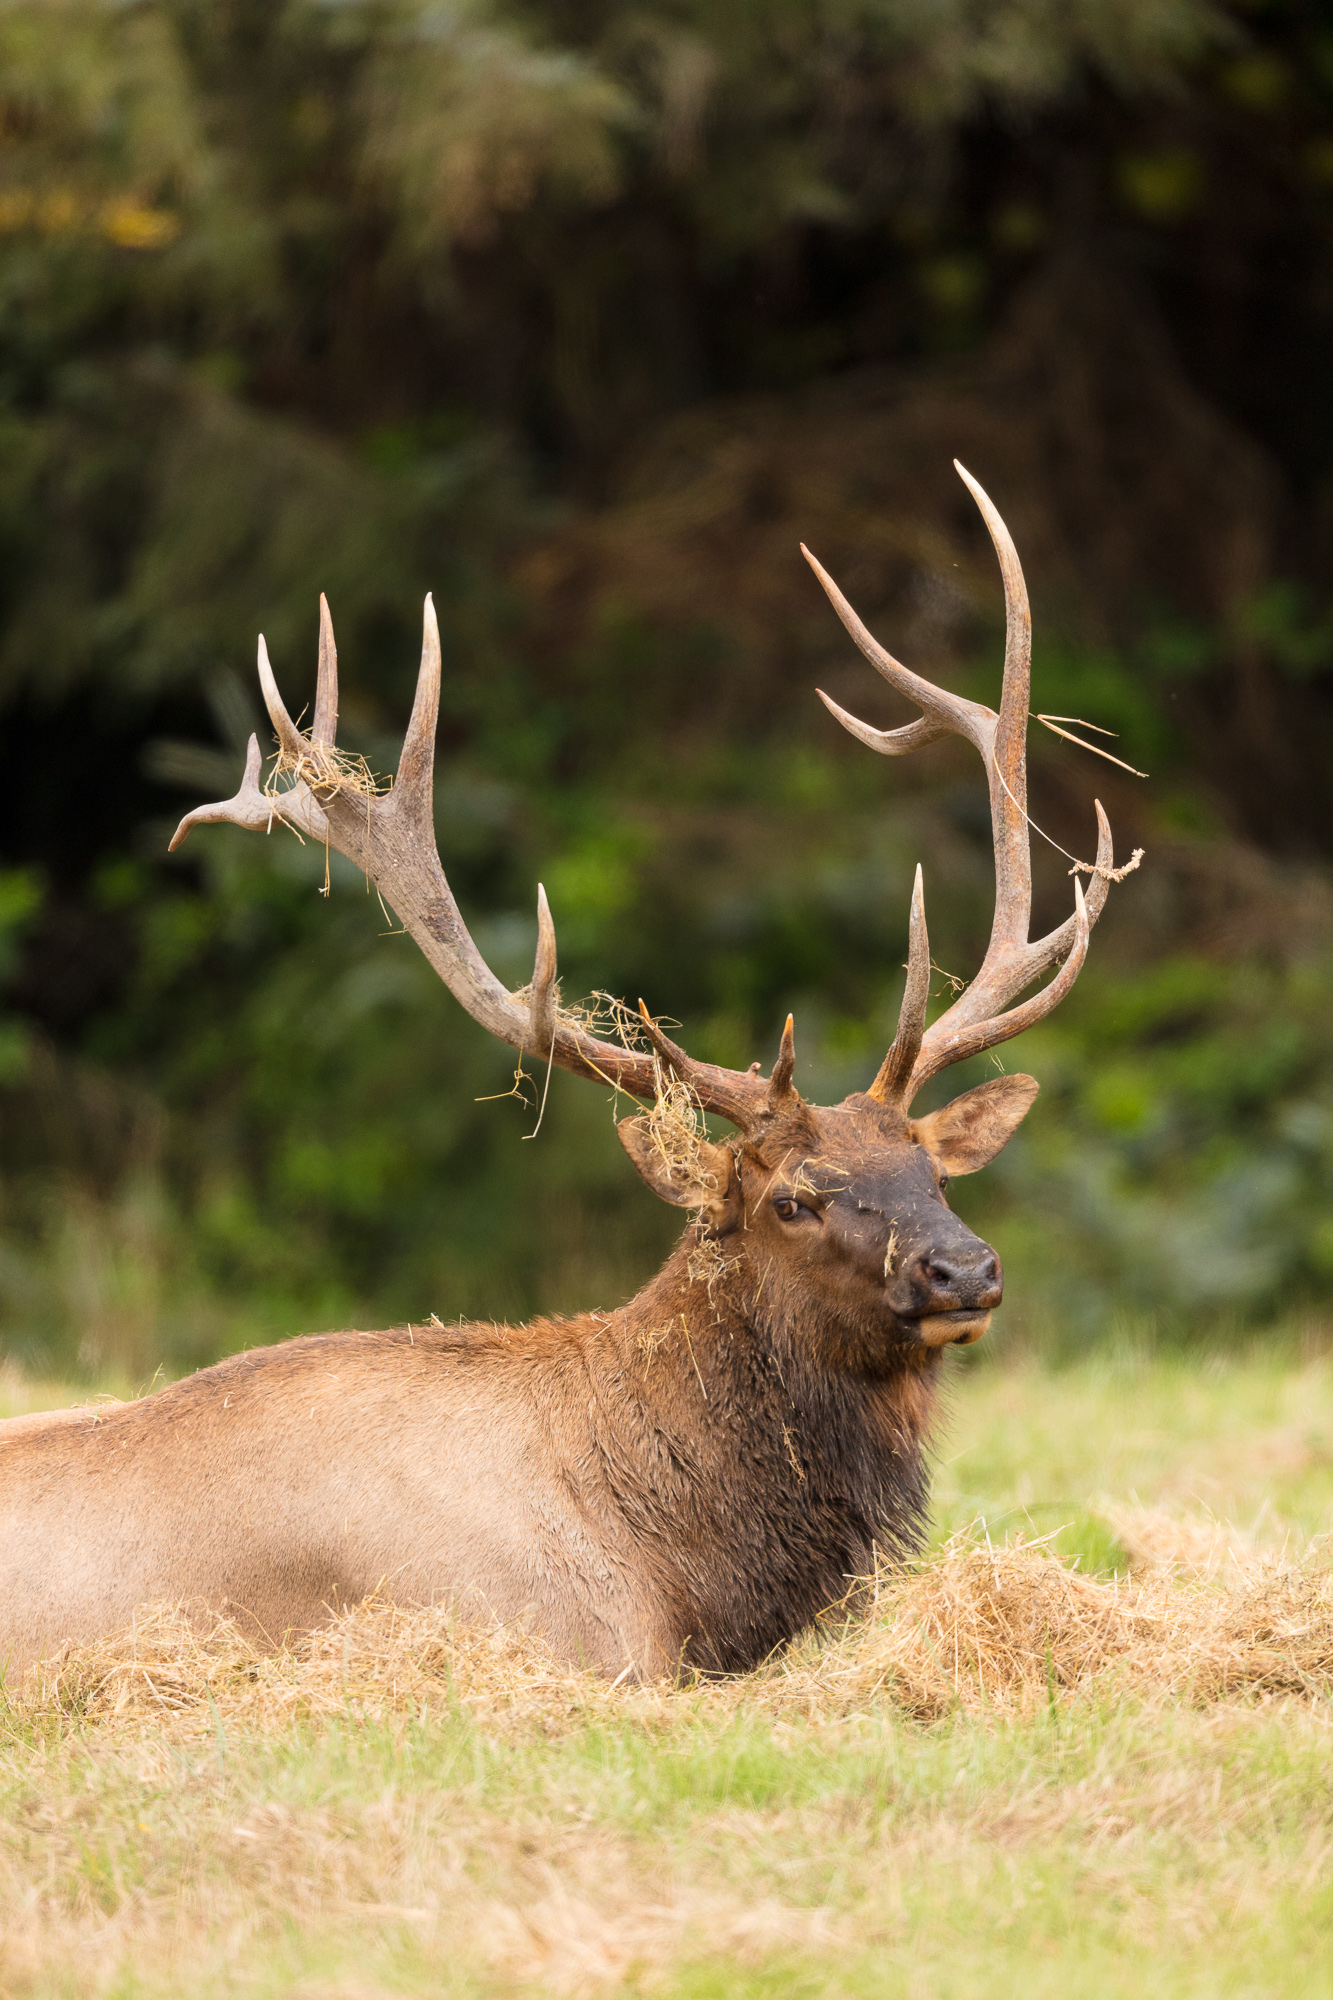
pixel 676 1133
pixel 997 1774
pixel 1003 1630
pixel 996 1631
pixel 326 770
pixel 403 1806
pixel 1157 1539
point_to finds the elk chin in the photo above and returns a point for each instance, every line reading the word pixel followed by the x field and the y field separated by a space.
pixel 952 1329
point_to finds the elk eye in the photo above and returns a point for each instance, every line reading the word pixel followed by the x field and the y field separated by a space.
pixel 787 1209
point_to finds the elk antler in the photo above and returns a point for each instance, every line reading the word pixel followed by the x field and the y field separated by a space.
pixel 978 1019
pixel 392 838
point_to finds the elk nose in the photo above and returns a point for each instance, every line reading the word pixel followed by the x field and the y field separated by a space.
pixel 951 1279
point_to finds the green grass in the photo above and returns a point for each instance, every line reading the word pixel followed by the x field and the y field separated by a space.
pixel 1099 1847
pixel 1244 1437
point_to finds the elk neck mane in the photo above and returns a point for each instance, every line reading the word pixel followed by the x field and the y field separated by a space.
pixel 699 1422
pixel 761 1478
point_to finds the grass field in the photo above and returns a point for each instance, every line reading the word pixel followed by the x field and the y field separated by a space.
pixel 1005 1780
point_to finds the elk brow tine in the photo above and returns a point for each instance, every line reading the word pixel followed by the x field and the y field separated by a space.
pixel 898 1064
pixel 541 1006
pixel 888 742
pixel 731 1094
pixel 415 783
pixel 950 711
pixel 289 736
pixel 975 1040
pixel 1013 861
pixel 324 729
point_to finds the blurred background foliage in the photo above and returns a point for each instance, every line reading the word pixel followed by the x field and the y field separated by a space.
pixel 582 316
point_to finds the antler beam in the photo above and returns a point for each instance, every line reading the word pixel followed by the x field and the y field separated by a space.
pixel 981 1017
pixel 391 837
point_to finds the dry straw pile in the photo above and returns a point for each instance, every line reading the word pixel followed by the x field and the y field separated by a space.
pixel 985 1630
pixel 1002 1630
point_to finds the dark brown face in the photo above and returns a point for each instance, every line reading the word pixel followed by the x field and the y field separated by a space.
pixel 842 1213
pixel 858 1219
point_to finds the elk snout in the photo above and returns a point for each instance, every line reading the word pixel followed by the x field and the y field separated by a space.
pixel 947 1280
pixel 954 1293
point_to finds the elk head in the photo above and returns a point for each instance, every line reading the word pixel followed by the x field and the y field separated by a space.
pixel 840 1210
pixel 837 1214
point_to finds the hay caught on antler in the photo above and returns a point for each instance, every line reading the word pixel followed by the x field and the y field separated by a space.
pixel 677 1132
pixel 675 1119
pixel 325 770
pixel 606 1018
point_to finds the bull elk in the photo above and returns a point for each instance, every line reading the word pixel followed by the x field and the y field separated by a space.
pixel 692 1476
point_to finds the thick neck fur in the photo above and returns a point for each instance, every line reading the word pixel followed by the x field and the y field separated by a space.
pixel 755 1477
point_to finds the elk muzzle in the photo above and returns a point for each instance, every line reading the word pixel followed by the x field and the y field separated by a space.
pixel 954 1292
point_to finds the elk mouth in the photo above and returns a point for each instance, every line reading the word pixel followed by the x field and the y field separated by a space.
pixel 951 1329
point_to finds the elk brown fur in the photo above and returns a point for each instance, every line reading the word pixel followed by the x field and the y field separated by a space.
pixel 686 1480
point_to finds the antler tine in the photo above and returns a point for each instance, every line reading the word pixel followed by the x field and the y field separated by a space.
pixel 732 1094
pixel 250 807
pixel 1051 949
pixel 1007 770
pixel 289 736
pixel 890 1085
pixel 543 992
pixel 959 1042
pixel 1005 974
pixel 780 1085
pixel 1100 886
pixel 943 712
pixel 888 742
pixel 675 1057
pixel 414 785
pixel 324 729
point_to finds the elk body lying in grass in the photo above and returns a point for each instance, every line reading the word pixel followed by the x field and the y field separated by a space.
pixel 691 1477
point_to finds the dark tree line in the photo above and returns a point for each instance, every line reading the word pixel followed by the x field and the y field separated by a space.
pixel 581 316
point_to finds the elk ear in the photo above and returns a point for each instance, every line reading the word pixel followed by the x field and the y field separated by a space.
pixel 968 1132
pixel 704 1182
